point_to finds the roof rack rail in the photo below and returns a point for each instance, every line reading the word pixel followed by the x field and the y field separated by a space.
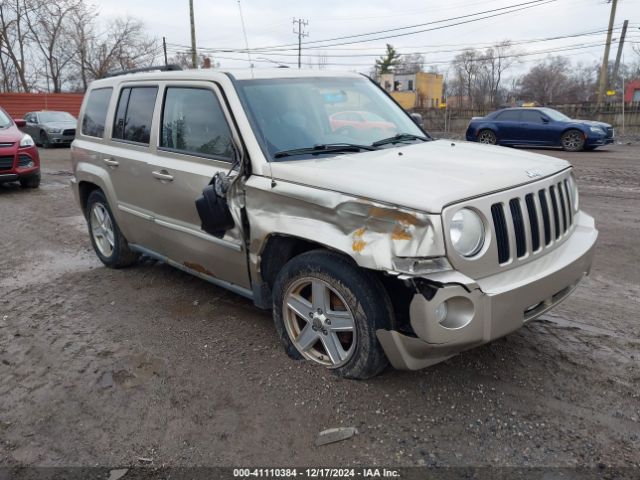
pixel 159 68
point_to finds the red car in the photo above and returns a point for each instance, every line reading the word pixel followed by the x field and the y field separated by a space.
pixel 19 159
pixel 352 121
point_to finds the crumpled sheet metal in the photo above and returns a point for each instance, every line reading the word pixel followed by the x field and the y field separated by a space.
pixel 373 234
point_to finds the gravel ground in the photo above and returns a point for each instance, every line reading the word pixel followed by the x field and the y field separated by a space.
pixel 104 367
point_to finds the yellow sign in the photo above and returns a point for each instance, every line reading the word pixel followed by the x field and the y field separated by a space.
pixel 611 93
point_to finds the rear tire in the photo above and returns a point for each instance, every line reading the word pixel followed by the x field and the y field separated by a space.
pixel 338 309
pixel 32 181
pixel 106 238
pixel 572 140
pixel 487 137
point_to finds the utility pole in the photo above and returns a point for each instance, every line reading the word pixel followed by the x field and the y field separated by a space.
pixel 194 57
pixel 164 49
pixel 614 79
pixel 299 26
pixel 605 60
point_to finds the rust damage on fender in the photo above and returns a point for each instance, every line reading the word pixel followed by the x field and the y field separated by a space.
pixel 372 233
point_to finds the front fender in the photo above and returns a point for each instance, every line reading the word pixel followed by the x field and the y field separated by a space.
pixel 372 233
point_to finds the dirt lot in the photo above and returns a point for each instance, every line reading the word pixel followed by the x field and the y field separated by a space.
pixel 104 367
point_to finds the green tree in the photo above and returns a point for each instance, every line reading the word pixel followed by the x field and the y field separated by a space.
pixel 388 61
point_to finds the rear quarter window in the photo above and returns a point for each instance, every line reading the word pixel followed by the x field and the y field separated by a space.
pixel 95 112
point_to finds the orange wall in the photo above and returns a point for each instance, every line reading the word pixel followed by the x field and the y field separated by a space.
pixel 17 104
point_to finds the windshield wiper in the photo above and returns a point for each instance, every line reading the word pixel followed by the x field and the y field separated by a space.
pixel 323 148
pixel 400 137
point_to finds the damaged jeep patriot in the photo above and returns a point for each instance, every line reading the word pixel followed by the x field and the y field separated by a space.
pixel 315 195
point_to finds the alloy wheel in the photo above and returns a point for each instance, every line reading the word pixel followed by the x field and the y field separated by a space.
pixel 487 137
pixel 572 140
pixel 102 229
pixel 319 323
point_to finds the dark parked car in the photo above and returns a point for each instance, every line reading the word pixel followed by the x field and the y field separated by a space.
pixel 19 160
pixel 50 127
pixel 539 126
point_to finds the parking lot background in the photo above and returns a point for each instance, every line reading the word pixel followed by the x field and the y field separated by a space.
pixel 150 366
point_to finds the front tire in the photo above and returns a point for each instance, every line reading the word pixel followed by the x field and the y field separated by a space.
pixel 44 140
pixel 327 310
pixel 572 140
pixel 107 239
pixel 32 181
pixel 487 137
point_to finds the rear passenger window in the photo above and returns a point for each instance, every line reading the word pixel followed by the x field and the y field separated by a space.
pixel 509 116
pixel 193 122
pixel 531 116
pixel 134 113
pixel 95 112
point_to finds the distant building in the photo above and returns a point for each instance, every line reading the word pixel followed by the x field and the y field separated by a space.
pixel 632 92
pixel 414 90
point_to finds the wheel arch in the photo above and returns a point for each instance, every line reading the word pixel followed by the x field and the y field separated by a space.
pixel 277 250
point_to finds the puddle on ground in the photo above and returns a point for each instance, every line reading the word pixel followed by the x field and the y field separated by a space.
pixel 132 371
pixel 48 265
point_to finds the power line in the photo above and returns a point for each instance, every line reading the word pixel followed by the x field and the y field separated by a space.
pixel 582 46
pixel 287 53
pixel 501 11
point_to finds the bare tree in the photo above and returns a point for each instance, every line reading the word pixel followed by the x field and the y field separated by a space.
pixel 51 28
pixel 184 60
pixel 496 61
pixel 123 45
pixel 466 68
pixel 15 42
pixel 546 81
pixel 410 63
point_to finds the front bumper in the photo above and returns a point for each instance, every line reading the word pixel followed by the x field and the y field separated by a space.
pixel 59 138
pixel 25 163
pixel 594 141
pixel 483 310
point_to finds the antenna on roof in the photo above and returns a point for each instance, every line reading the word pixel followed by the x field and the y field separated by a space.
pixel 244 32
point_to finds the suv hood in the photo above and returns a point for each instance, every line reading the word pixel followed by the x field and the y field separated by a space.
pixel 425 177
pixel 10 134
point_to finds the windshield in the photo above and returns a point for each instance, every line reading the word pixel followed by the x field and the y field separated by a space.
pixel 555 115
pixel 5 121
pixel 296 113
pixel 45 117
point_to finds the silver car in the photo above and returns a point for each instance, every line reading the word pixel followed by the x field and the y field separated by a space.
pixel 368 246
pixel 49 127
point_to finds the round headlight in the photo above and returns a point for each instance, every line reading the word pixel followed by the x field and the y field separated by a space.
pixel 573 191
pixel 466 232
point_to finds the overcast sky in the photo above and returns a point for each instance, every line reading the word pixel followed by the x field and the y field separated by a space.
pixel 269 23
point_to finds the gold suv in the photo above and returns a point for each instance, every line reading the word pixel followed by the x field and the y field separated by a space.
pixel 369 241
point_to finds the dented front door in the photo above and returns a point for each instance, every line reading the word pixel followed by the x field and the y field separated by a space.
pixel 194 143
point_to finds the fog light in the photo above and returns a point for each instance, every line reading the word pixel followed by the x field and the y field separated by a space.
pixel 441 312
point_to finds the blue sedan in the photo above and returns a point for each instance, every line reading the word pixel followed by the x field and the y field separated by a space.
pixel 539 127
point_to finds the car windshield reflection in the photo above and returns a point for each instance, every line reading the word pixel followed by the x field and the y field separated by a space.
pixel 297 113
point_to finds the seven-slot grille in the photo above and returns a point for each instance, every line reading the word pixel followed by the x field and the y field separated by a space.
pixel 535 220
pixel 6 162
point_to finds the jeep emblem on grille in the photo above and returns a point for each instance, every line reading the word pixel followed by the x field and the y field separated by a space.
pixel 533 173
